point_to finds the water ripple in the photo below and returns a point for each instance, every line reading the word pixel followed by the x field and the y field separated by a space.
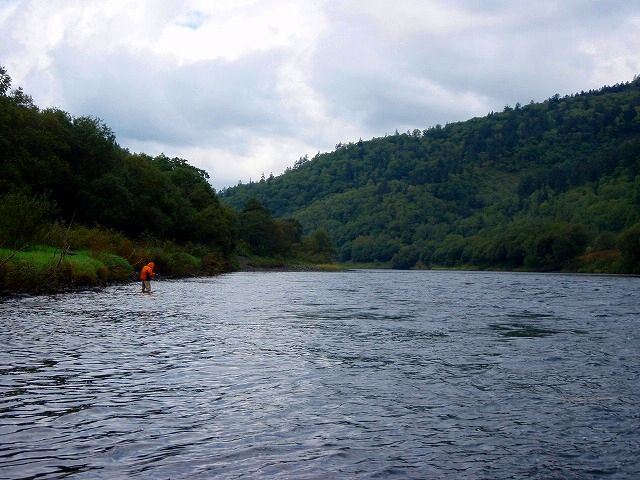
pixel 325 375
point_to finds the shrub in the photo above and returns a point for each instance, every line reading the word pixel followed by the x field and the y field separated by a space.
pixel 175 263
pixel 117 268
pixel 97 240
pixel 24 276
pixel 212 264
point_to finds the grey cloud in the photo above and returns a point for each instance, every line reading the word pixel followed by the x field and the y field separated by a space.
pixel 371 79
pixel 526 54
pixel 150 99
pixel 381 84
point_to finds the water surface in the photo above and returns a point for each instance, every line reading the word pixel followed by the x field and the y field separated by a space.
pixel 363 374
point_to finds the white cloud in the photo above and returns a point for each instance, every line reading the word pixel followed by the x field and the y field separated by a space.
pixel 615 57
pixel 231 33
pixel 406 18
pixel 241 87
pixel 226 166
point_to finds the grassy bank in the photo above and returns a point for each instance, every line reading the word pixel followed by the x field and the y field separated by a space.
pixel 90 257
pixel 95 257
pixel 43 269
pixel 274 264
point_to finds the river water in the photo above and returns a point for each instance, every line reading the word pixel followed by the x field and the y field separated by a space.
pixel 361 374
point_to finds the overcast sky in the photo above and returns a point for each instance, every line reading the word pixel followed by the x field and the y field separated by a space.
pixel 242 87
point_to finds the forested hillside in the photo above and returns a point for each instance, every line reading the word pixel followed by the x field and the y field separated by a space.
pixel 547 186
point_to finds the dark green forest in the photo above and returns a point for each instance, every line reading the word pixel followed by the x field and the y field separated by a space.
pixel 67 186
pixel 76 171
pixel 545 186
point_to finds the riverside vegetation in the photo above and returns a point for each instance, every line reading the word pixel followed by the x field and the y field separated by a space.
pixel 76 209
pixel 547 186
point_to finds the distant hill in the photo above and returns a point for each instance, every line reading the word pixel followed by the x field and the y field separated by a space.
pixel 545 186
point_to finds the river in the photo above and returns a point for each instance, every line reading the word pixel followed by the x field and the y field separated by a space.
pixel 360 374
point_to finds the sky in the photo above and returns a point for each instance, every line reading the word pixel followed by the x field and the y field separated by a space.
pixel 245 87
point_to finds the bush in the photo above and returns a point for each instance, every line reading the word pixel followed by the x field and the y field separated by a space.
pixel 24 276
pixel 213 264
pixel 45 269
pixel 117 268
pixel 85 270
pixel 554 245
pixel 177 263
pixel 97 240
pixel 267 262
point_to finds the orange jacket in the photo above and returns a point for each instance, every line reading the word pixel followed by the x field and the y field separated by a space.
pixel 147 272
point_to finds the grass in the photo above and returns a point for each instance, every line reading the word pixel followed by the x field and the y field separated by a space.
pixel 45 269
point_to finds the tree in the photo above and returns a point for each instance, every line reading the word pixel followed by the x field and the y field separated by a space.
pixel 259 231
pixel 406 257
pixel 5 82
pixel 24 219
pixel 319 247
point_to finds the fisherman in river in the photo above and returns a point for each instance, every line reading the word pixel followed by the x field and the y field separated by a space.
pixel 146 275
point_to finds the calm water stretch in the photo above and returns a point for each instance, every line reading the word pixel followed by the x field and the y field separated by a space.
pixel 363 374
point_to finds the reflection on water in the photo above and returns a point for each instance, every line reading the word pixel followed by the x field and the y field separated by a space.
pixel 364 374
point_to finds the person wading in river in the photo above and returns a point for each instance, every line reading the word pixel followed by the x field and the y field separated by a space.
pixel 146 275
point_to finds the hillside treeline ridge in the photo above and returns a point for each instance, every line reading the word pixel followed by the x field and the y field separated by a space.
pixel 77 208
pixel 545 186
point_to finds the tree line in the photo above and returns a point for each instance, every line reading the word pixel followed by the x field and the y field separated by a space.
pixel 67 172
pixel 542 186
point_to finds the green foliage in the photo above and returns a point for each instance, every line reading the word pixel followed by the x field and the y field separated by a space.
pixel 97 240
pixel 263 235
pixel 318 247
pixel 177 264
pixel 5 81
pixel 531 187
pixel 23 219
pixel 547 186
pixel 629 244
pixel 380 248
pixel 77 165
pixel 45 269
pixel 267 262
pixel 406 258
pixel 67 183
pixel 118 269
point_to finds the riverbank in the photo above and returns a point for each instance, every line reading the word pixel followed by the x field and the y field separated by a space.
pixel 268 264
pixel 43 269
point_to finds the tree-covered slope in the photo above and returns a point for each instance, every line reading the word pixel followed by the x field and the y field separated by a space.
pixel 76 166
pixel 533 186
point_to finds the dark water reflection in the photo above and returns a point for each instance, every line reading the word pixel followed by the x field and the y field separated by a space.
pixel 318 375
